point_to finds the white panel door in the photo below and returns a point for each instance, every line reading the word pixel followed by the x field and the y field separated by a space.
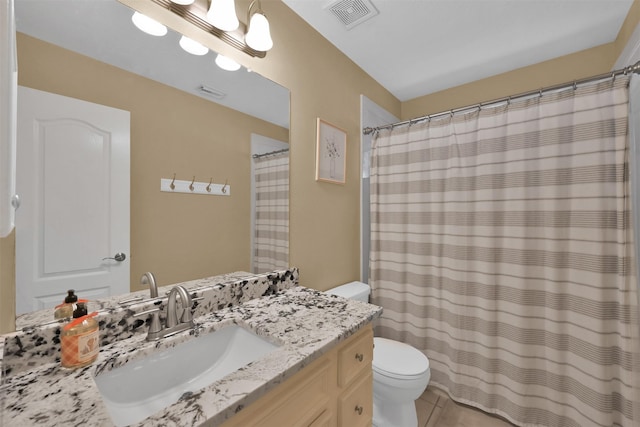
pixel 73 182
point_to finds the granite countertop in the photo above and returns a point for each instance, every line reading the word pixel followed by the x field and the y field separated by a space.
pixel 308 323
pixel 41 317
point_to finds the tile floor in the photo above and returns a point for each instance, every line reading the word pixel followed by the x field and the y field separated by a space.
pixel 435 409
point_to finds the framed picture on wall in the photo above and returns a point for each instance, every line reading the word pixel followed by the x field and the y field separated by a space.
pixel 331 153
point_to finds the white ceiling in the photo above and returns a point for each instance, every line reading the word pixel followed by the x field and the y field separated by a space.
pixel 412 47
pixel 417 47
pixel 102 29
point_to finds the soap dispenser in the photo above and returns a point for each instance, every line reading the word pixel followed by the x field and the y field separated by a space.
pixel 79 339
pixel 65 309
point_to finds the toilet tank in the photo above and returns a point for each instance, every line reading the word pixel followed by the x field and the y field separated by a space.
pixel 355 290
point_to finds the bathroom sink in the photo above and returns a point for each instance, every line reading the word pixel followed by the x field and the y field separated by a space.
pixel 142 387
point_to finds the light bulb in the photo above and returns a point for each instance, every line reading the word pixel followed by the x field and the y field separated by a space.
pixel 222 15
pixel 227 63
pixel 148 25
pixel 183 2
pixel 258 36
pixel 192 46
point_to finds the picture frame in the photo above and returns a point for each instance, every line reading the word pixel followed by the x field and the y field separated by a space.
pixel 331 153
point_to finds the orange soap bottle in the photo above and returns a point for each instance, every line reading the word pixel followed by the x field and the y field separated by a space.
pixel 80 339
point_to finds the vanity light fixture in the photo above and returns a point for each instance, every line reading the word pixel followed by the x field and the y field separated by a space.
pixel 148 25
pixel 192 46
pixel 258 36
pixel 222 15
pixel 227 63
pixel 218 18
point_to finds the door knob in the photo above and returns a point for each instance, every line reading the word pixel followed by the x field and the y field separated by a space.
pixel 15 201
pixel 118 257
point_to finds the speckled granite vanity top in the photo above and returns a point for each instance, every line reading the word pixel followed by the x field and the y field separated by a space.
pixel 308 323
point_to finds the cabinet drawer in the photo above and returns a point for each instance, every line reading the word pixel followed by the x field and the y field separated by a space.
pixel 295 403
pixel 324 420
pixel 355 357
pixel 355 407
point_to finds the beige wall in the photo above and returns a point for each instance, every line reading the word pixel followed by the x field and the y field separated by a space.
pixel 324 218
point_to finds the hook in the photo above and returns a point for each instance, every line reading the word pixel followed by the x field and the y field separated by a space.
pixel 224 188
pixel 173 185
pixel 540 92
pixel 209 186
pixel 575 85
pixel 191 187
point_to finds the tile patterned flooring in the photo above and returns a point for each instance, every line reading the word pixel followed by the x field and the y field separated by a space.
pixel 436 409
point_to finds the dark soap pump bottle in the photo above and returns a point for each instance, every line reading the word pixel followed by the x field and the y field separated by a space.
pixel 65 309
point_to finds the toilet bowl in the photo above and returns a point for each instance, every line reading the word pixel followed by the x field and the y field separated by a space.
pixel 400 372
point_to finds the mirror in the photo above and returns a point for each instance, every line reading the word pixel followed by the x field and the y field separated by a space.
pixel 176 128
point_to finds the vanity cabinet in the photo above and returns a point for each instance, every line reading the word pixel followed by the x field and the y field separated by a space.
pixel 334 390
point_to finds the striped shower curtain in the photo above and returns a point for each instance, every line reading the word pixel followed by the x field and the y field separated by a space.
pixel 502 248
pixel 271 230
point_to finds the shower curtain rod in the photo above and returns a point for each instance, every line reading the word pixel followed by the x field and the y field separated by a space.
pixel 270 153
pixel 635 68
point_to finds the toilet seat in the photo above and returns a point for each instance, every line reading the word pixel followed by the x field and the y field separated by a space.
pixel 398 360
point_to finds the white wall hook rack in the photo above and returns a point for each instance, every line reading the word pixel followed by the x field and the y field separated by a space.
pixel 194 187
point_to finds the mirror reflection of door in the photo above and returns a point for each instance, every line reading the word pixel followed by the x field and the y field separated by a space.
pixel 73 180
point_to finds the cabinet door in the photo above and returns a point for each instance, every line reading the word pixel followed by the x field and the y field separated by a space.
pixel 355 407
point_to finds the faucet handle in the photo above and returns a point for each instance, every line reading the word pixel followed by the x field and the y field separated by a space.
pixel 155 326
pixel 142 313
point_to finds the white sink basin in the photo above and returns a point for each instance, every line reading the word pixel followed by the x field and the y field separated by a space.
pixel 142 387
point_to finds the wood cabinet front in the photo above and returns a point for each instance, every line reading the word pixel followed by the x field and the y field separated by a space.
pixel 334 390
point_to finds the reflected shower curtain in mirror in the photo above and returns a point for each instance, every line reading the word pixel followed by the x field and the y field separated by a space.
pixel 502 248
pixel 271 235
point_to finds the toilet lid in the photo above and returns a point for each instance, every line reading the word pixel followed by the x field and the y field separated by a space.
pixel 398 360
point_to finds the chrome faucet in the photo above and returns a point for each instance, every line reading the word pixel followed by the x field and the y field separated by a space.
pixel 155 326
pixel 149 279
pixel 177 320
pixel 183 317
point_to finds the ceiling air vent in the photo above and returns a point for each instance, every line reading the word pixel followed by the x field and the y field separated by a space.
pixel 214 93
pixel 352 12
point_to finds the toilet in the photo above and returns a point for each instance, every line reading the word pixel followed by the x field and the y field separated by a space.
pixel 400 372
